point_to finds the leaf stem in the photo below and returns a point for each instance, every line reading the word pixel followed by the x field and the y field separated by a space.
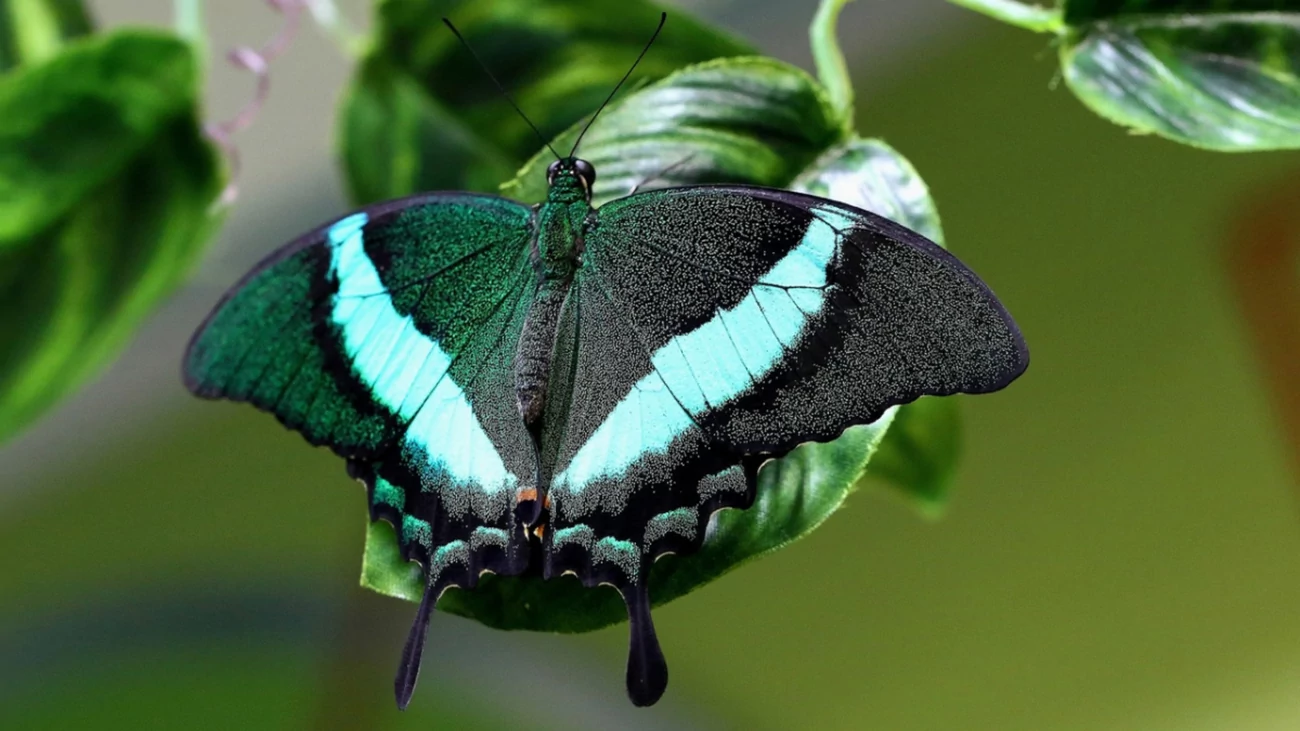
pixel 1012 12
pixel 35 30
pixel 189 22
pixel 832 71
pixel 258 62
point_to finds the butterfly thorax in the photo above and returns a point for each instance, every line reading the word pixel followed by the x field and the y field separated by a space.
pixel 562 219
pixel 559 238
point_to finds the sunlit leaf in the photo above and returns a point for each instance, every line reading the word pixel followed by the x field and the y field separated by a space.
pixel 743 120
pixel 872 175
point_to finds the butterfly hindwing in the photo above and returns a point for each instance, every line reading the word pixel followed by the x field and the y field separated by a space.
pixel 712 328
pixel 390 337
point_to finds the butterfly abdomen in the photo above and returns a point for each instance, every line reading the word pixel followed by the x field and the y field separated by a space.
pixel 537 349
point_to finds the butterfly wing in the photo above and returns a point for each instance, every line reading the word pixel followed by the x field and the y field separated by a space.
pixel 712 328
pixel 389 336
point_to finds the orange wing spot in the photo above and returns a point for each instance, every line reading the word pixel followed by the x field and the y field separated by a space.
pixel 546 502
pixel 540 531
pixel 527 494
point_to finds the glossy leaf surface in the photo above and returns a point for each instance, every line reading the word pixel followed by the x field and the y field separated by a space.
pixel 1222 75
pixel 1218 74
pixel 744 120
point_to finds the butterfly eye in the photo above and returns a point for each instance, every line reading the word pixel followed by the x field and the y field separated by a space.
pixel 552 171
pixel 586 172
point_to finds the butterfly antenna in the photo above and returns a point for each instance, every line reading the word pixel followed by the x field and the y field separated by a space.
pixel 662 18
pixel 502 89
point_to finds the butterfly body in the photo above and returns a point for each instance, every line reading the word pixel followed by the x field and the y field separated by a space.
pixel 577 391
pixel 561 221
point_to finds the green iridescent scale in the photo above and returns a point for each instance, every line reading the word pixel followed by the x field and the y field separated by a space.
pixel 564 390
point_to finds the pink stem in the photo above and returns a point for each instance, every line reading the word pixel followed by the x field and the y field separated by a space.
pixel 258 62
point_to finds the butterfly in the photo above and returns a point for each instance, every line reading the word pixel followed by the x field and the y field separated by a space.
pixel 572 390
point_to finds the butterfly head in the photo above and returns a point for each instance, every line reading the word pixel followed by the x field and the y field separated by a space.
pixel 571 176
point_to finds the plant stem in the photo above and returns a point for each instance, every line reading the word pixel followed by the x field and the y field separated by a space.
pixel 189 21
pixel 832 71
pixel 1012 12
pixel 35 31
pixel 1263 251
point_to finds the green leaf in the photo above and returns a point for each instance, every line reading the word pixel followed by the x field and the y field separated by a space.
pixel 32 31
pixel 382 567
pixel 69 125
pixel 1224 79
pixel 450 126
pixel 1222 75
pixel 740 120
pixel 105 189
pixel 872 175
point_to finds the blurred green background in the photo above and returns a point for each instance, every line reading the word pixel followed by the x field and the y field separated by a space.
pixel 1122 551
